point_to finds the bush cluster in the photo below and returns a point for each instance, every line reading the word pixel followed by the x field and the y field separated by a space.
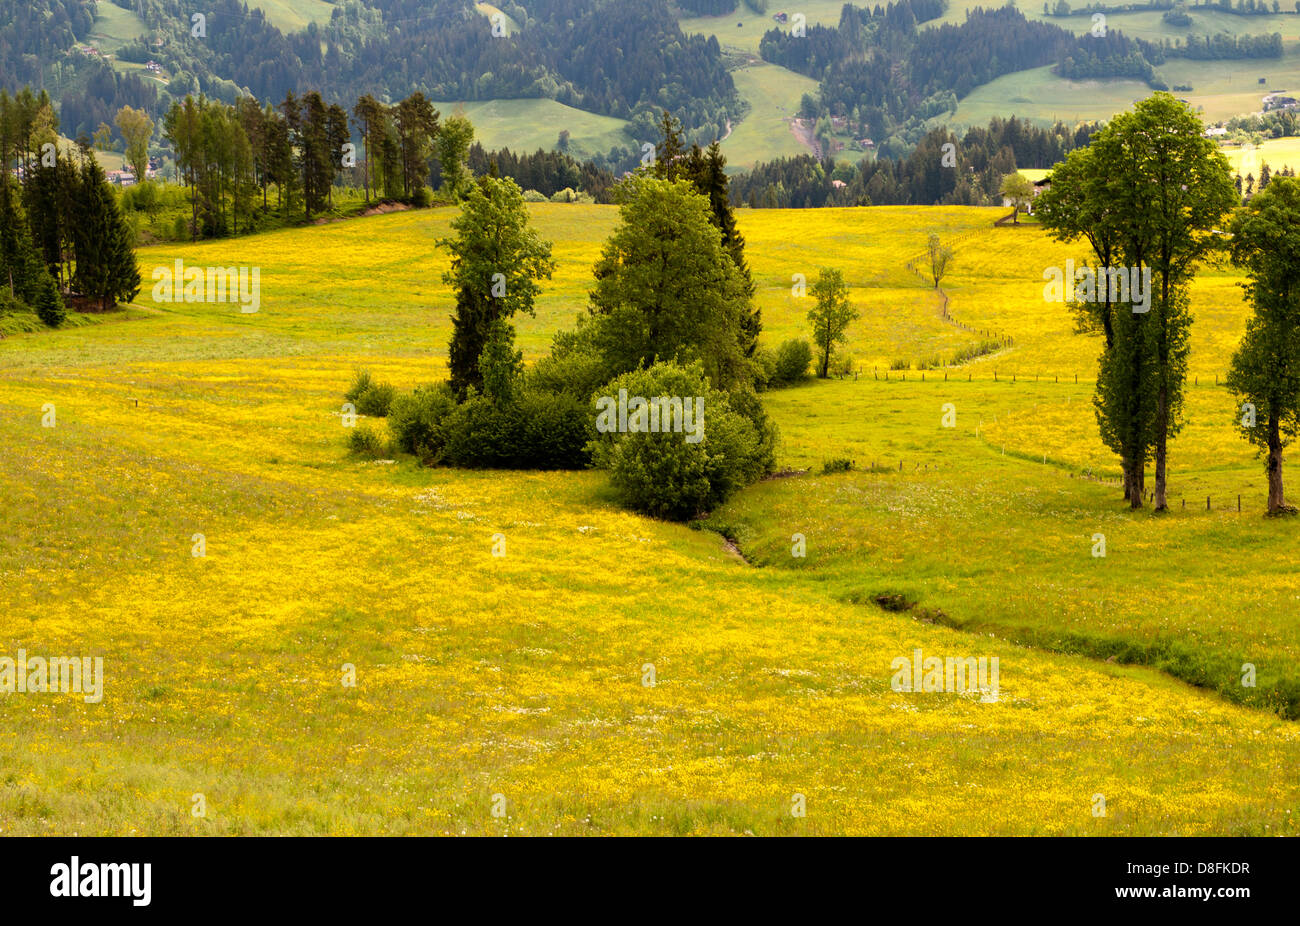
pixel 534 430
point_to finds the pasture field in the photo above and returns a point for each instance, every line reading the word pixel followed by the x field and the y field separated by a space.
pixel 294 15
pixel 522 675
pixel 773 94
pixel 523 126
pixel 1276 152
pixel 114 27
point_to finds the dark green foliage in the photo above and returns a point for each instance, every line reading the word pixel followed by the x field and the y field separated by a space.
pixel 365 441
pixel 496 262
pixel 48 303
pixel 369 397
pixel 106 270
pixel 376 400
pixel 792 361
pixel 535 431
pixel 667 288
pixel 665 475
pixel 837 465
pixel 416 421
pixel 980 159
pixel 547 172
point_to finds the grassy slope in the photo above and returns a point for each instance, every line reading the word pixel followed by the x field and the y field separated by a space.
pixel 521 676
pixel 114 26
pixel 526 125
pixel 294 15
pixel 773 94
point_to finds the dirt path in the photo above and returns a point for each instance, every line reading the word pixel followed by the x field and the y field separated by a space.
pixel 805 135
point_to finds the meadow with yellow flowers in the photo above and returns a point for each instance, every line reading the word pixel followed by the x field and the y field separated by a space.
pixel 609 673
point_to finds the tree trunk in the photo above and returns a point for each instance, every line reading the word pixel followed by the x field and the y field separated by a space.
pixel 1162 440
pixel 1276 500
pixel 1137 486
pixel 1127 469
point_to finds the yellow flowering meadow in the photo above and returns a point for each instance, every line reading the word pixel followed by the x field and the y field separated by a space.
pixel 610 673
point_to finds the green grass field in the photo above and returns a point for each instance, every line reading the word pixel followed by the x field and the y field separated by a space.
pixel 1276 152
pixel 114 27
pixel 526 125
pixel 522 675
pixel 773 94
pixel 294 15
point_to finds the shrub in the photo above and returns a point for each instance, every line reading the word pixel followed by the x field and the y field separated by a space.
pixel 664 475
pixel 367 442
pixel 371 398
pixel 376 400
pixel 536 430
pixel 762 369
pixel 421 197
pixel 532 196
pixel 49 304
pixel 792 361
pixel 416 421
pixel 575 374
pixel 837 465
pixel 361 381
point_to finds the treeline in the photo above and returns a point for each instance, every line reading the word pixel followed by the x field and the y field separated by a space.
pixel 1116 55
pixel 706 7
pixel 227 154
pixel 547 172
pixel 60 228
pixel 1275 124
pixel 1225 46
pixel 969 173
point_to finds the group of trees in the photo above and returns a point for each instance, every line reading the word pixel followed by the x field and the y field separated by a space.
pixel 943 169
pixel 671 315
pixel 226 154
pixel 1149 195
pixel 60 230
pixel 547 172
pixel 1242 7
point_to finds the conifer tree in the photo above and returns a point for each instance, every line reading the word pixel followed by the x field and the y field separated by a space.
pixel 106 269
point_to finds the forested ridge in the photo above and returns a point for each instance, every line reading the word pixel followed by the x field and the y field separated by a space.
pixel 886 72
pixel 623 58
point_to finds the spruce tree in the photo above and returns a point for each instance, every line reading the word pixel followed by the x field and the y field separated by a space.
pixel 105 264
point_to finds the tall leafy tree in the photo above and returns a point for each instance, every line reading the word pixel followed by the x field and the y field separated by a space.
pixel 1148 195
pixel 496 261
pixel 666 288
pixel 1265 372
pixel 137 129
pixel 1172 188
pixel 706 171
pixel 452 146
pixel 417 125
pixel 830 316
